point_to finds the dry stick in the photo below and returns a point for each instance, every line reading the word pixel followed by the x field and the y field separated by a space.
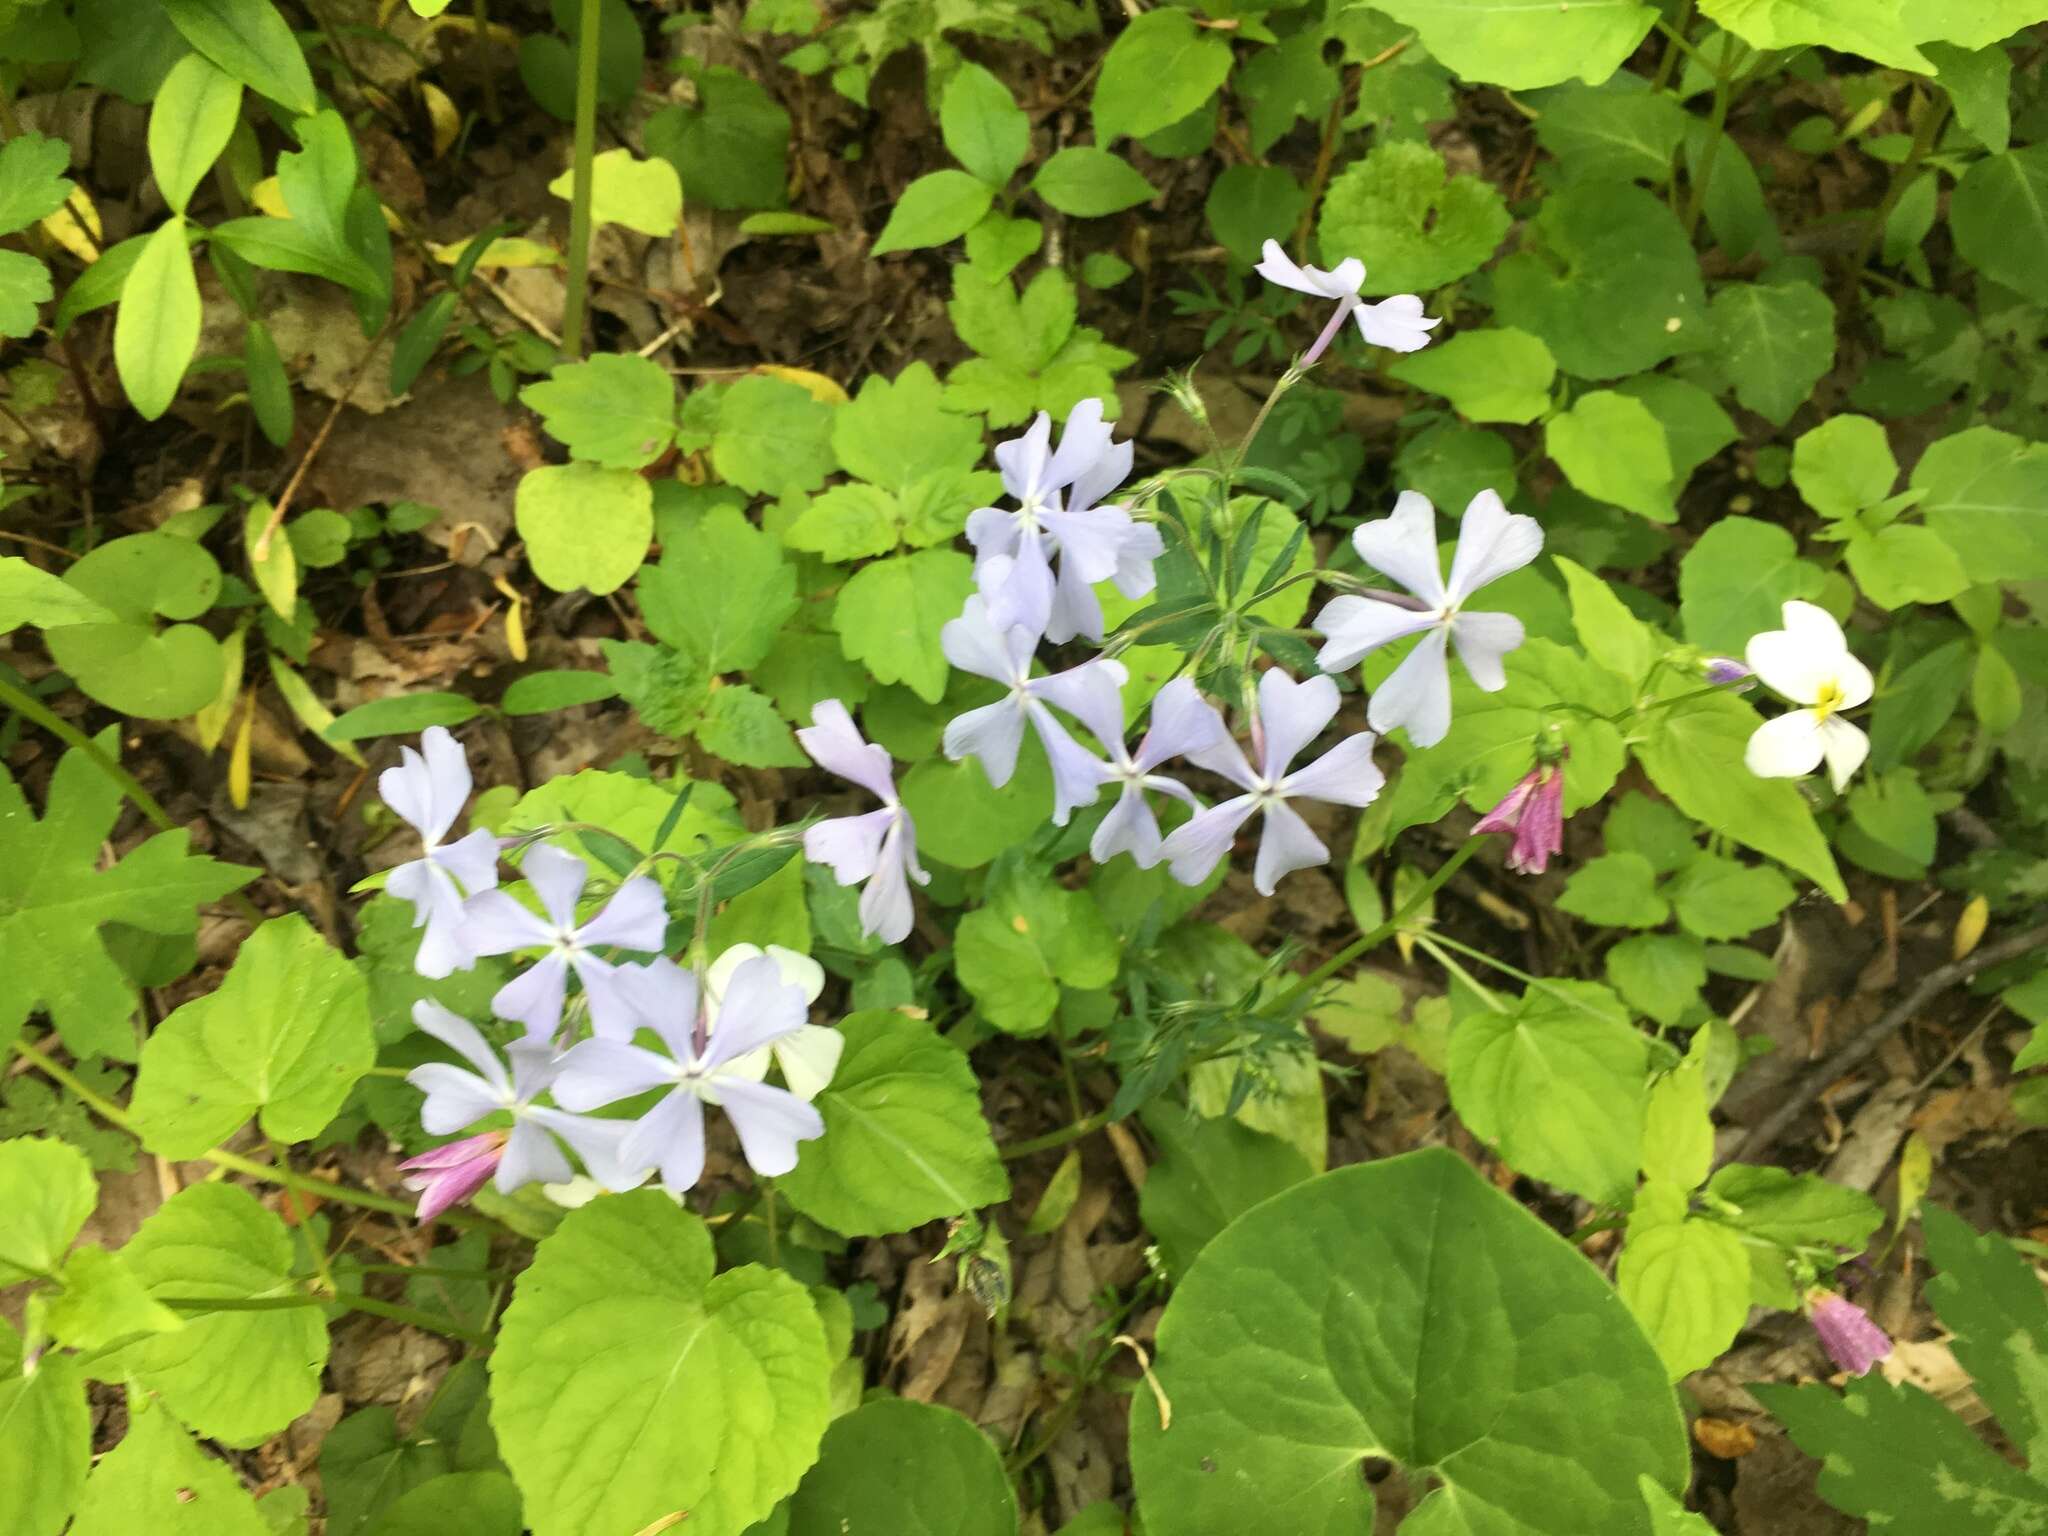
pixel 1810 1085
pixel 291 486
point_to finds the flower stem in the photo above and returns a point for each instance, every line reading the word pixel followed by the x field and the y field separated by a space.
pixel 1716 125
pixel 1933 118
pixel 412 1317
pixel 580 179
pixel 1058 1138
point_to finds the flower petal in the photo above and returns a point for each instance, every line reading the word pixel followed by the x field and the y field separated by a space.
pixel 1403 546
pixel 975 643
pixel 635 918
pixel 1358 626
pixel 494 924
pixel 1344 775
pixel 1292 715
pixel 455 1099
pixel 1198 846
pixel 1130 827
pixel 1492 541
pixel 1844 746
pixel 1396 323
pixel 1076 611
pixel 463 1038
pixel 1077 774
pixel 1417 694
pixel 1141 548
pixel 409 790
pixel 1017 589
pixel 1093 694
pixel 669 1137
pixel 993 531
pixel 886 909
pixel 1286 844
pixel 557 879
pixel 1182 723
pixel 992 733
pixel 1276 267
pixel 809 1058
pixel 836 745
pixel 661 996
pixel 534 997
pixel 759 1006
pixel 1023 460
pixel 848 845
pixel 531 1157
pixel 473 861
pixel 1785 748
pixel 1483 641
pixel 1092 539
pixel 598 1143
pixel 599 1072
pixel 448 780
pixel 771 1121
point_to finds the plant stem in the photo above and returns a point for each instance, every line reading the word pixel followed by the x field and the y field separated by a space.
pixel 29 707
pixel 584 152
pixel 1288 380
pixel 1058 1138
pixel 1667 66
pixel 412 1317
pixel 1717 123
pixel 1366 941
pixel 1933 119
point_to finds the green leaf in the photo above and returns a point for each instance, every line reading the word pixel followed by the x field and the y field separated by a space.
pixel 1611 283
pixel 889 615
pixel 48 1445
pixel 585 527
pixel 721 594
pixel 1209 1172
pixel 732 148
pixel 893 1466
pixel 32 181
pixel 1091 183
pixel 896 432
pixel 190 122
pixel 1987 1295
pixel 803 668
pixel 402 715
pixel 1613 134
pixel 1735 580
pixel 1678 1134
pixel 32 596
pixel 1658 974
pixel 1901 564
pixel 1638 824
pixel 1985 492
pixel 963 820
pixel 848 522
pixel 1612 447
pixel 1029 938
pixel 741 726
pixel 1246 203
pixel 1793 1209
pixel 643 195
pixel 629 1383
pixel 1686 1280
pixel 1414 229
pixel 104 1301
pixel 214 1241
pixel 905 1141
pixel 983 128
pixel 1556 1082
pixel 248 39
pixel 616 410
pixel 130 664
pixel 1853 26
pixel 283 1040
pixel 1696 758
pixel 47 1192
pixel 1620 641
pixel 481 1503
pixel 276 574
pixel 1719 898
pixel 1512 43
pixel 1776 341
pixel 1487 375
pixel 1616 890
pixel 1966 23
pixel 157 329
pixel 1160 69
pixel 55 899
pixel 772 437
pixel 24 286
pixel 1404 1309
pixel 998 243
pixel 157 1480
pixel 539 693
pixel 1844 465
pixel 937 207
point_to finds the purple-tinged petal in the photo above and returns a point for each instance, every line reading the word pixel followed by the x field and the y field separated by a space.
pixel 836 745
pixel 450 1174
pixel 1224 756
pixel 1017 592
pixel 463 1038
pixel 1417 694
pixel 1344 775
pixel 1182 724
pixel 531 1157
pixel 1093 694
pixel 848 845
pixel 1541 833
pixel 1101 478
pixel 670 1138
pixel 448 781
pixel 595 1073
pixel 1130 827
pixel 662 996
pixel 494 924
pixel 534 1065
pixel 1022 461
pixel 1355 627
pixel 1286 844
pixel 1726 672
pixel 1852 1340
pixel 1403 546
pixel 1483 641
pixel 1077 774
pixel 635 918
pixel 438 908
pixel 455 1099
pixel 1198 845
pixel 1084 441
pixel 612 1016
pixel 597 1143
pixel 771 1121
pixel 758 1007
pixel 1076 611
pixel 557 879
pixel 473 861
pixel 992 733
pixel 1142 546
pixel 535 996
pixel 1492 541
pixel 1091 540
pixel 1507 815
pixel 993 531
pixel 1292 715
pixel 886 909
pixel 974 643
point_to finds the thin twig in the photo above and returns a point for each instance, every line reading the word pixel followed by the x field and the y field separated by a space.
pixel 291 486
pixel 1815 1080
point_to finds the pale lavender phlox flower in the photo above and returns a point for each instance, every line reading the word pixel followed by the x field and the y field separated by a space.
pixel 995 732
pixel 427 790
pixel 758 1008
pixel 531 1151
pixel 1492 542
pixel 1532 813
pixel 1852 1340
pixel 1396 323
pixel 879 847
pixel 636 918
pixel 1058 512
pixel 1290 716
pixel 1183 722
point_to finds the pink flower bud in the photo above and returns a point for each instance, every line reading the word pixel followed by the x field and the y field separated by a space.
pixel 449 1175
pixel 1533 813
pixel 1846 1332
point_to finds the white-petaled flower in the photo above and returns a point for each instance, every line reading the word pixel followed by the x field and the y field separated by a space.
pixel 1396 323
pixel 1182 723
pixel 427 791
pixel 1492 541
pixel 879 847
pixel 1808 661
pixel 809 1055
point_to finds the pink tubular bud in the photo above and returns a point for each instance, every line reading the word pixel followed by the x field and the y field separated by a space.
pixel 1846 1332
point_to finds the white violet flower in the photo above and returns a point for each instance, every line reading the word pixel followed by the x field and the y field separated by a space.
pixel 1808 661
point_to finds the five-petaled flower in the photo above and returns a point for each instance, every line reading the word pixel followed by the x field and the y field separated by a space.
pixel 879 847
pixel 1290 716
pixel 1852 1340
pixel 1533 814
pixel 1182 723
pixel 635 918
pixel 427 790
pixel 1808 661
pixel 1492 541
pixel 994 732
pixel 758 1009
pixel 1058 495
pixel 1397 323
pixel 530 1152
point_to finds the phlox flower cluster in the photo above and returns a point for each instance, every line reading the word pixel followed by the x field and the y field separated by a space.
pixel 653 1027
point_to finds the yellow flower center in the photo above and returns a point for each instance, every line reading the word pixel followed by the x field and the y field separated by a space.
pixel 1828 700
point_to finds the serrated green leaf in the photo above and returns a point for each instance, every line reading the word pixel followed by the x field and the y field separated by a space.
pixel 721 594
pixel 1853 26
pixel 1686 1280
pixel 1415 226
pixel 48 1444
pixel 1988 1296
pixel 772 437
pixel 47 1192
pixel 1776 341
pixel 1616 890
pixel 1487 375
pixel 32 181
pixel 104 1301
pixel 1160 68
pixel 585 527
pixel 889 615
pixel 615 410
pixel 742 727
pixel 1028 939
pixel 1512 43
pixel 157 1480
